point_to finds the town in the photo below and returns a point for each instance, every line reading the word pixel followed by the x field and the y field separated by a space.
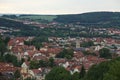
pixel 36 60
pixel 69 52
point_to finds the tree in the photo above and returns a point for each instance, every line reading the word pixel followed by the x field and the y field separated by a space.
pixel 51 62
pixel 34 64
pixel 58 73
pixel 9 16
pixel 7 39
pixel 43 63
pixel 22 60
pixel 75 76
pixel 97 72
pixel 30 78
pixel 3 48
pixel 7 58
pixel 87 44
pixel 37 45
pixel 66 53
pixel 11 59
pixel 27 43
pixel 105 53
pixel 17 74
pixel 3 45
pixel 109 70
pixel 82 72
pixel 114 72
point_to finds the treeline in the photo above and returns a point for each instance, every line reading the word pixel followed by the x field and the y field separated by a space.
pixel 109 70
pixel 92 18
pixel 9 16
pixel 104 71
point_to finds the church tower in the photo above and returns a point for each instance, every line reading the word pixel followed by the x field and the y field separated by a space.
pixel 77 43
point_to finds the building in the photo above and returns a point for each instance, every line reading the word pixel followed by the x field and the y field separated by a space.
pixel 77 43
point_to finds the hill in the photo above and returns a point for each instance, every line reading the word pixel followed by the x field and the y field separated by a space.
pixel 13 24
pixel 39 18
pixel 25 30
pixel 109 18
pixel 91 18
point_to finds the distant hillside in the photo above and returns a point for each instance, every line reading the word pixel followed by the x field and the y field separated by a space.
pixel 111 18
pixel 25 30
pixel 91 18
pixel 39 18
pixel 13 24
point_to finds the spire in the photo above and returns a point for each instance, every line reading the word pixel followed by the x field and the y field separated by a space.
pixel 77 42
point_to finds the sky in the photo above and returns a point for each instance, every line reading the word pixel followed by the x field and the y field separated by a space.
pixel 57 6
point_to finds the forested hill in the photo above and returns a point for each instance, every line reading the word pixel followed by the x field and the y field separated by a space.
pixel 91 18
pixel 13 24
pixel 24 30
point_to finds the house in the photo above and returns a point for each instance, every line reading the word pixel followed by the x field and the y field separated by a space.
pixel 7 71
pixel 53 51
pixel 37 73
pixel 98 47
pixel 65 65
pixel 40 57
pixel 25 70
pixel 25 67
pixel 78 55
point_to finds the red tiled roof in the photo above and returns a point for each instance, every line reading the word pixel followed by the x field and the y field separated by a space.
pixel 92 58
pixel 40 57
pixel 36 71
pixel 5 67
pixel 53 50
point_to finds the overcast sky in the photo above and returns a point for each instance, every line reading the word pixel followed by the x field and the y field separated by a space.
pixel 58 6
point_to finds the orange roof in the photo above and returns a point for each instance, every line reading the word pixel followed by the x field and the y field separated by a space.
pixel 4 67
pixel 36 71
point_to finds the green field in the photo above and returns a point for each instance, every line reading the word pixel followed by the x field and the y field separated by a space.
pixel 42 17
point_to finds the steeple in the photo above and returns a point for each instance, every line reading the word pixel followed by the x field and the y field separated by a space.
pixel 77 42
